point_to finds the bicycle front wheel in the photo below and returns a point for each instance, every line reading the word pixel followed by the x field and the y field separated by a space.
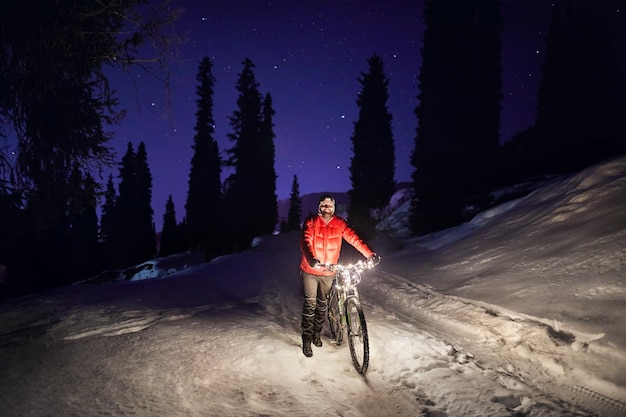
pixel 334 317
pixel 357 335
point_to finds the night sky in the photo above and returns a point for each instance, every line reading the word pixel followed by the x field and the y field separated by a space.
pixel 308 56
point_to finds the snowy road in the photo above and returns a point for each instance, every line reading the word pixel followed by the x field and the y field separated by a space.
pixel 210 342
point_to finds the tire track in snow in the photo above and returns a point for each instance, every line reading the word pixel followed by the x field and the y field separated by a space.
pixel 517 347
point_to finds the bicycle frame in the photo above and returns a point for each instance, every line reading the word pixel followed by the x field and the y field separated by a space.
pixel 345 285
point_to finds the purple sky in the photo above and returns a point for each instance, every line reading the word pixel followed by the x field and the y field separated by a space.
pixel 308 56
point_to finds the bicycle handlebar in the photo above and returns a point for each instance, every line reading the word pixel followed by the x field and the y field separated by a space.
pixel 360 265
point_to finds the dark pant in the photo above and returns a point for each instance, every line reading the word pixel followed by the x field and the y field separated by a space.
pixel 316 289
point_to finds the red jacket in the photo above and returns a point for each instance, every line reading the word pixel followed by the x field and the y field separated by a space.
pixel 322 241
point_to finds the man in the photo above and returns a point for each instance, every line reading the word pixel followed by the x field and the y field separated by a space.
pixel 320 244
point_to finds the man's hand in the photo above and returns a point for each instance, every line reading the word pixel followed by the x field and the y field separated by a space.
pixel 374 260
pixel 315 263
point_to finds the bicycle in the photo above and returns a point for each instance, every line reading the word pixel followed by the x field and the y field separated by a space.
pixel 345 314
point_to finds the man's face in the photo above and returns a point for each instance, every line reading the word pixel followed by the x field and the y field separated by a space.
pixel 327 206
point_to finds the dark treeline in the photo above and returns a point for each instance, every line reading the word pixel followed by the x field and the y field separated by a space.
pixel 130 238
pixel 250 202
pixel 372 168
pixel 581 109
pixel 58 104
pixel 218 217
pixel 580 115
pixel 223 218
pixel 55 105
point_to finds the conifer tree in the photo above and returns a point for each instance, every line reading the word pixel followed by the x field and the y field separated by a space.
pixel 146 235
pixel 266 175
pixel 203 204
pixel 294 213
pixel 484 108
pixel 14 243
pixel 372 168
pixel 108 224
pixel 172 237
pixel 123 237
pixel 133 237
pixel 458 112
pixel 251 157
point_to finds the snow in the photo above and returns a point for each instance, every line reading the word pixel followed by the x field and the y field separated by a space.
pixel 519 312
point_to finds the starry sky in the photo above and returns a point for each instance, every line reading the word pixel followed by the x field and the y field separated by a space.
pixel 308 56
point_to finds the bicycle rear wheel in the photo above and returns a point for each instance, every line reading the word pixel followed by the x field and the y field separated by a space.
pixel 334 317
pixel 357 335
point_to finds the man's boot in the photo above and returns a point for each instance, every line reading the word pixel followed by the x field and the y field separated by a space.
pixel 308 319
pixel 306 348
pixel 316 340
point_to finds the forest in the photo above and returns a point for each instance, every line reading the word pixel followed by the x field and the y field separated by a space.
pixel 56 104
